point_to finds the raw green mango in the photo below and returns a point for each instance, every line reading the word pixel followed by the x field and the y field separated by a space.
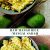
pixel 43 47
pixel 22 27
pixel 36 21
pixel 4 22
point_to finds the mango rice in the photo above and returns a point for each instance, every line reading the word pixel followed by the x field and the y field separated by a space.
pixel 16 5
pixel 16 43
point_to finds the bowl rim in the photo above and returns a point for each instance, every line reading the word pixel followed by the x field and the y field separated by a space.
pixel 34 44
pixel 10 12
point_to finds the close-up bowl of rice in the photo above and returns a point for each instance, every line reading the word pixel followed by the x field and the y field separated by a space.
pixel 13 7
pixel 17 43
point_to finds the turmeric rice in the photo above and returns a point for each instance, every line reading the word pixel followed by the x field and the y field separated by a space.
pixel 15 5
